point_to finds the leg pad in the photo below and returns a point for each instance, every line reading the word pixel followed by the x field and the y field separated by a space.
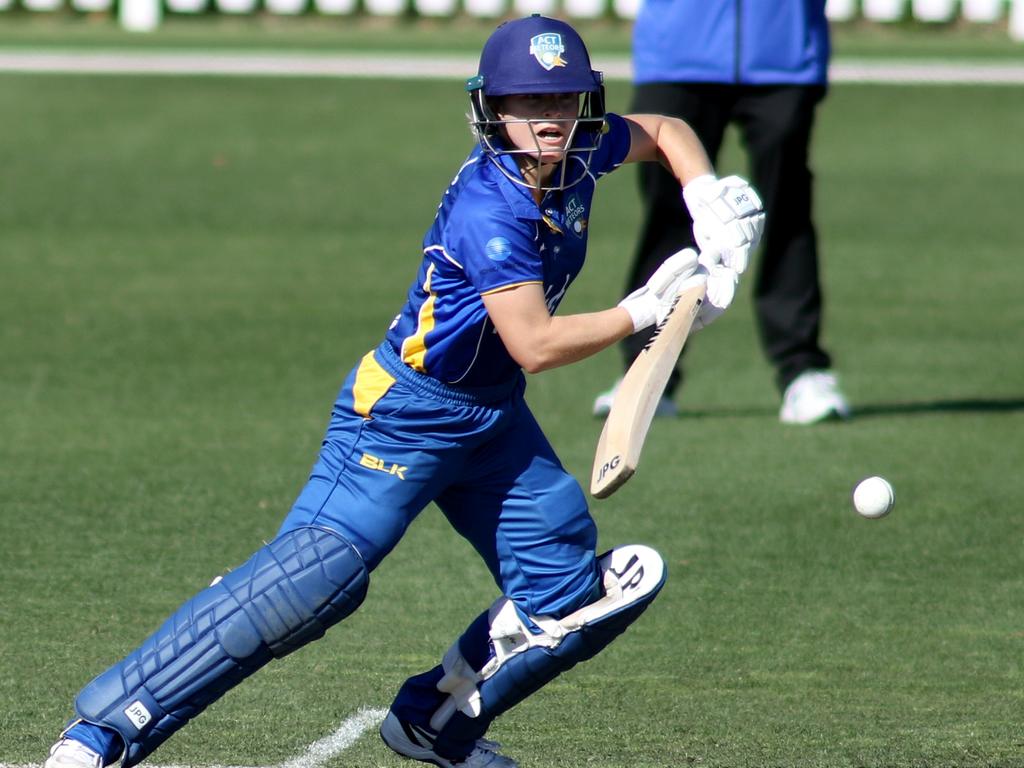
pixel 524 658
pixel 286 595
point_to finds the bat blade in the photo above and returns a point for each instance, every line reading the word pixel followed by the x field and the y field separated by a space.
pixel 625 429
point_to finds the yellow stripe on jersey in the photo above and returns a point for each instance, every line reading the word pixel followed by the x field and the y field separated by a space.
pixel 510 286
pixel 414 348
pixel 371 384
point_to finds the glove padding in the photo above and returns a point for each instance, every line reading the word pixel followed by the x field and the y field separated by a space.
pixel 728 217
pixel 720 291
pixel 651 304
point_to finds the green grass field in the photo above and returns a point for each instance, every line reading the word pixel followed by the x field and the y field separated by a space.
pixel 190 266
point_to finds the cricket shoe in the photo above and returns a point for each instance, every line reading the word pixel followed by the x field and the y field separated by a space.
pixel 417 743
pixel 666 408
pixel 811 397
pixel 68 753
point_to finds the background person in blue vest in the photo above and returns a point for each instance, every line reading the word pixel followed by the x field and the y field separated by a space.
pixel 761 64
pixel 436 413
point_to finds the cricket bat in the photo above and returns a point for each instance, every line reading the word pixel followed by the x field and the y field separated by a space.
pixel 625 429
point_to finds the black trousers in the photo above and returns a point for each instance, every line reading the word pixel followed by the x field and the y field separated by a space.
pixel 775 125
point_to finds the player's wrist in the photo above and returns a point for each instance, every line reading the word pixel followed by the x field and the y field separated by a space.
pixel 640 308
pixel 702 179
pixel 693 190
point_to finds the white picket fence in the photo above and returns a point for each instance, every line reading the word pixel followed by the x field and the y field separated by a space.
pixel 144 15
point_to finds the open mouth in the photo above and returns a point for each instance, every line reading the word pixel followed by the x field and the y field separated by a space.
pixel 550 135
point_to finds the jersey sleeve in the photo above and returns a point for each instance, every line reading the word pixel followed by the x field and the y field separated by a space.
pixel 614 146
pixel 498 250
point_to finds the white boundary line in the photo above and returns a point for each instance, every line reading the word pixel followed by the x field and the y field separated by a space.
pixel 423 66
pixel 318 753
pixel 927 72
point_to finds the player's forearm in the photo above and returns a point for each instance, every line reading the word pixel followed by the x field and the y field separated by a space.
pixel 681 152
pixel 569 338
pixel 671 142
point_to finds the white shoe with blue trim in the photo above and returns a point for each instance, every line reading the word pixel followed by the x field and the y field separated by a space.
pixel 417 743
pixel 666 408
pixel 68 753
pixel 811 397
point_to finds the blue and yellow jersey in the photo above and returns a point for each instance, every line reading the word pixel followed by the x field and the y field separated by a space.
pixel 490 235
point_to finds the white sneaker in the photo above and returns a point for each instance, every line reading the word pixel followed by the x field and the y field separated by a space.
pixel 604 401
pixel 811 397
pixel 68 753
pixel 417 743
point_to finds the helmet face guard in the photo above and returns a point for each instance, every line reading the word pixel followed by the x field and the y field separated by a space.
pixel 538 55
pixel 584 132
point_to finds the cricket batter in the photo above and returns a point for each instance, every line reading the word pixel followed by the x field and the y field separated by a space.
pixel 436 414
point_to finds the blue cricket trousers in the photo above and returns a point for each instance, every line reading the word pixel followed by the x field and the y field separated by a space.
pixel 398 440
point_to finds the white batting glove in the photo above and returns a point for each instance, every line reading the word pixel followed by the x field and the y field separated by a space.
pixel 651 304
pixel 728 217
pixel 721 290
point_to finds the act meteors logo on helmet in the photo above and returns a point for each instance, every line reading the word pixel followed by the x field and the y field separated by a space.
pixel 547 49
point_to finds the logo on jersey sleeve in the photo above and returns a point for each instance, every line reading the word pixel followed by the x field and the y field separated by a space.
pixel 547 49
pixel 498 249
pixel 576 215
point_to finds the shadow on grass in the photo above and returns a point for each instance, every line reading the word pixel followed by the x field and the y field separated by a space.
pixel 873 410
pixel 966 405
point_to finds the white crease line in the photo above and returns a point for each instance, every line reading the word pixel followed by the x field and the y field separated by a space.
pixel 322 750
pixel 319 752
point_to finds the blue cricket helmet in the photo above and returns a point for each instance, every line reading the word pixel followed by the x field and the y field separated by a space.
pixel 538 55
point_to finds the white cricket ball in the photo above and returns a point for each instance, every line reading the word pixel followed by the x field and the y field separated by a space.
pixel 873 497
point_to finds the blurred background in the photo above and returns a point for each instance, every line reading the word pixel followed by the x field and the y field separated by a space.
pixel 190 262
pixel 1002 17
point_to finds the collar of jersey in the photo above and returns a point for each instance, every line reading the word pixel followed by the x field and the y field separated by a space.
pixel 517 196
